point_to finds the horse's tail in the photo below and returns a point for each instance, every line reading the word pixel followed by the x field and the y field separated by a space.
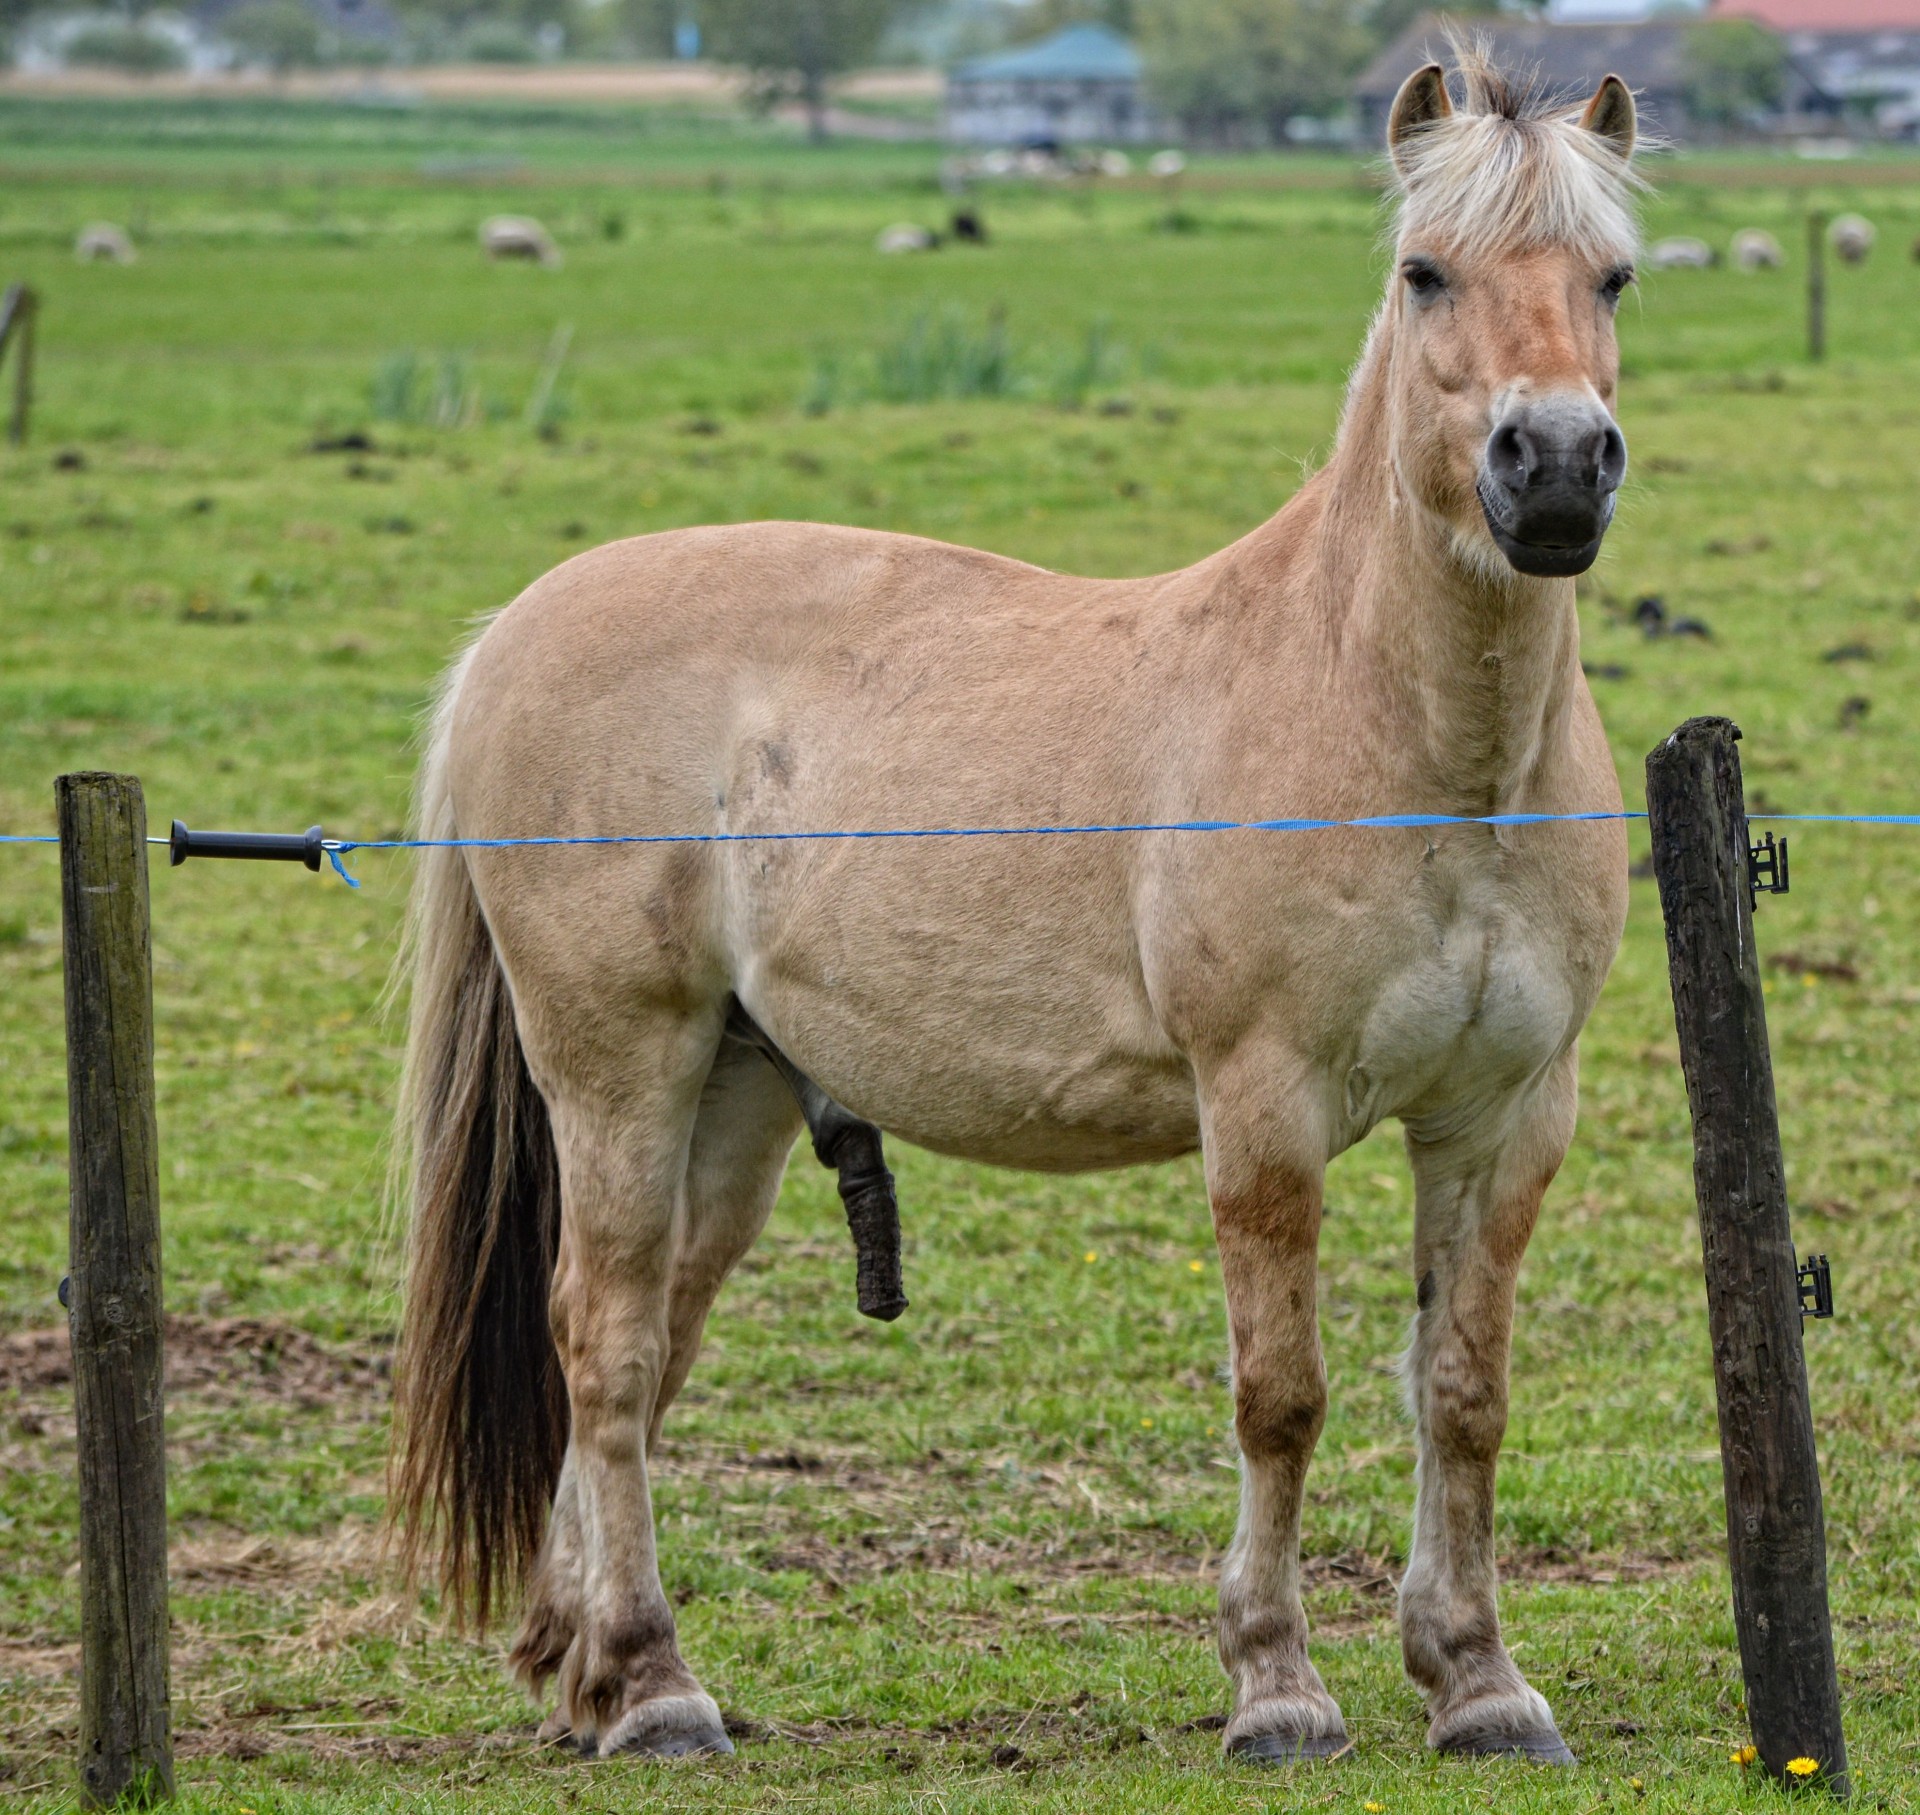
pixel 480 1405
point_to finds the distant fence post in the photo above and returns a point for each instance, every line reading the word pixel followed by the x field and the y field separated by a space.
pixel 126 1745
pixel 1776 1531
pixel 18 308
pixel 1816 286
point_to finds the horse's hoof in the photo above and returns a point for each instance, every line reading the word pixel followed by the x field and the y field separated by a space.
pixel 679 1726
pixel 1290 1748
pixel 704 1743
pixel 1542 1747
pixel 1514 1723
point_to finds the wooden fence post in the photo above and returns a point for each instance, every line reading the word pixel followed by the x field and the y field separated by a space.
pixel 1776 1531
pixel 18 308
pixel 1816 286
pixel 126 1744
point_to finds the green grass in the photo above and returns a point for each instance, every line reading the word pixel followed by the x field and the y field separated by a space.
pixel 901 1551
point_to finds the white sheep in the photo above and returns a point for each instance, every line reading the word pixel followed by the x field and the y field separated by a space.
pixel 1754 250
pixel 104 243
pixel 904 236
pixel 1681 255
pixel 518 236
pixel 1852 236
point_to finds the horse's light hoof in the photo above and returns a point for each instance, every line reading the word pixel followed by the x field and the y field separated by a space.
pixel 1290 1748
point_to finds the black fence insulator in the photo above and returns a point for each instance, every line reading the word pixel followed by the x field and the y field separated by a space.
pixel 1815 1279
pixel 308 847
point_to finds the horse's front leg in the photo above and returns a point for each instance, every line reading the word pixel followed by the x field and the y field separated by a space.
pixel 1476 1203
pixel 1264 1178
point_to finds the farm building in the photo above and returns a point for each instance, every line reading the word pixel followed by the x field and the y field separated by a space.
pixel 343 26
pixel 1080 86
pixel 1651 57
pixel 1864 53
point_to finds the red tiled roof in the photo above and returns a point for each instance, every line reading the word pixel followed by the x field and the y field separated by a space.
pixel 1825 15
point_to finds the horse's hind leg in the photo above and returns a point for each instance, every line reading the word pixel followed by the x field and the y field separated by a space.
pixel 623 1098
pixel 1475 1209
pixel 743 1130
pixel 742 1136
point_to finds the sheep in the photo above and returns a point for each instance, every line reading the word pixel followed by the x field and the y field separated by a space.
pixel 1681 255
pixel 518 236
pixel 1754 250
pixel 104 243
pixel 1852 237
pixel 904 236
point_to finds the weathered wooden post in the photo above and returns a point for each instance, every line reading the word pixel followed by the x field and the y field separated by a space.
pixel 126 1743
pixel 1776 1531
pixel 1816 286
pixel 18 308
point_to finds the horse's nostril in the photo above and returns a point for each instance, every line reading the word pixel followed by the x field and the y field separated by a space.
pixel 1613 458
pixel 1510 456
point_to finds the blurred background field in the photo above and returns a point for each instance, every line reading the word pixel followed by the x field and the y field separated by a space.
pixel 282 463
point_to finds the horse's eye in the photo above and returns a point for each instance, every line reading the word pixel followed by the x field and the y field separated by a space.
pixel 1422 278
pixel 1616 282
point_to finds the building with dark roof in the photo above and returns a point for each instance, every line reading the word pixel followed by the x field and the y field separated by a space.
pixel 1080 86
pixel 1651 58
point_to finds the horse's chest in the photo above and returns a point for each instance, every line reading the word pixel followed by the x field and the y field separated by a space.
pixel 1482 998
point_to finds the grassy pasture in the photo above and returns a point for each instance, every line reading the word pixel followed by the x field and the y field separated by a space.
pixel 967 1560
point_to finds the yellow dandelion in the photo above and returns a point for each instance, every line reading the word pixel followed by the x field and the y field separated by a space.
pixel 1803 1767
pixel 1809 981
pixel 1745 1755
pixel 1091 1257
pixel 1634 1784
pixel 1375 1808
pixel 1196 1266
pixel 1146 1424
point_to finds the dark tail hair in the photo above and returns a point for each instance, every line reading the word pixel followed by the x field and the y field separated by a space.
pixel 480 1405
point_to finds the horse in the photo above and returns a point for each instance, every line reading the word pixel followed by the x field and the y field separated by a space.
pixel 594 1123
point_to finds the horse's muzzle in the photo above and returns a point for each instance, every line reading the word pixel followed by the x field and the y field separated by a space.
pixel 1549 481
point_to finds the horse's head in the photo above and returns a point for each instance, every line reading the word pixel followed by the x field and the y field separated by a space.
pixel 1515 240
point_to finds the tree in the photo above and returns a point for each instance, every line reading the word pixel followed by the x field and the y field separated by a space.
pixel 1735 68
pixel 1239 70
pixel 795 47
pixel 1385 20
pixel 1041 18
pixel 282 34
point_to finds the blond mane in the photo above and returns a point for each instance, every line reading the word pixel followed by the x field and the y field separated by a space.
pixel 1512 168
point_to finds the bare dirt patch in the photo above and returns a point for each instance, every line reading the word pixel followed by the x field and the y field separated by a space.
pixel 259 1356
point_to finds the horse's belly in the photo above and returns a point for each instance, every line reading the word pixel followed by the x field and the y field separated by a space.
pixel 987 1042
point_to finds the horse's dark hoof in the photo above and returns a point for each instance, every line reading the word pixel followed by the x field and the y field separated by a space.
pixel 1290 1748
pixel 1538 1748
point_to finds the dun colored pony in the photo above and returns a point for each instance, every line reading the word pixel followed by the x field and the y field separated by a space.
pixel 593 1150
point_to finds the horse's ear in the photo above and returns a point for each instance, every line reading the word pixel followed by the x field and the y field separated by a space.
pixel 1422 101
pixel 1612 115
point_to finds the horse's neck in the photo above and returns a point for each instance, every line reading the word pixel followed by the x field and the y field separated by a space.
pixel 1472 667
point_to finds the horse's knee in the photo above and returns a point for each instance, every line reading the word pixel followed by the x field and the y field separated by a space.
pixel 1277 1418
